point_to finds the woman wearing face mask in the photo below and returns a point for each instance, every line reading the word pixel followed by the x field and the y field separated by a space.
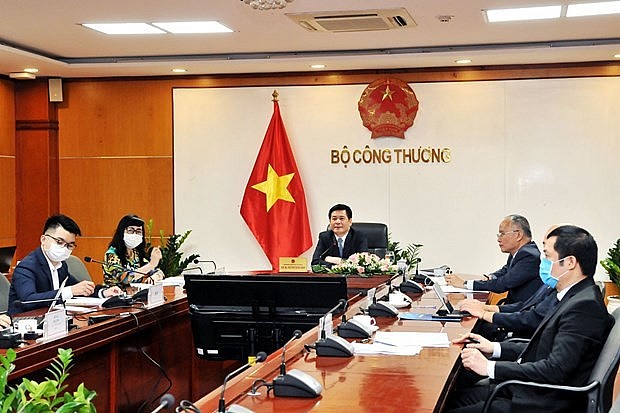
pixel 126 260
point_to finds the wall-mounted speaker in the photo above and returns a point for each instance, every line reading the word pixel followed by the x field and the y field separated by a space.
pixel 55 89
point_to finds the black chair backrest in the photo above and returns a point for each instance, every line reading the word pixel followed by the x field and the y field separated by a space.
pixel 376 234
pixel 605 370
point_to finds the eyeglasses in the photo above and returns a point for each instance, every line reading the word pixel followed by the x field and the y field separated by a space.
pixel 502 234
pixel 131 230
pixel 62 243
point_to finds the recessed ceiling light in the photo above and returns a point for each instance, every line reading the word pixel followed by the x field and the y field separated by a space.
pixel 617 55
pixel 523 13
pixel 124 28
pixel 179 70
pixel 193 27
pixel 22 75
pixel 593 9
pixel 31 70
pixel 462 61
pixel 318 66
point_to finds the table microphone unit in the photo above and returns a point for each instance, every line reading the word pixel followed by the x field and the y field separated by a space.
pixel 296 383
pixel 260 357
pixel 382 309
pixel 410 286
pixel 332 345
pixel 166 401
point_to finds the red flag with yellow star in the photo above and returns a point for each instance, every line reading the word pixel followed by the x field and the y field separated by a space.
pixel 274 202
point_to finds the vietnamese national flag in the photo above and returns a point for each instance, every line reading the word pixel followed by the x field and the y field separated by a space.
pixel 274 202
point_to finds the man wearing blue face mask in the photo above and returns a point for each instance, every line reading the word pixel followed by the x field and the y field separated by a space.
pixel 41 273
pixel 564 348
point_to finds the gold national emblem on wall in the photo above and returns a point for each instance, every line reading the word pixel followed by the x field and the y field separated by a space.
pixel 388 107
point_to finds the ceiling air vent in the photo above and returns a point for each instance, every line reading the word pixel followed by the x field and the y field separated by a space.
pixel 354 21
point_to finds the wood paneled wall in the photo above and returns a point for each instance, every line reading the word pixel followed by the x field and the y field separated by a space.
pixel 7 163
pixel 115 148
pixel 115 138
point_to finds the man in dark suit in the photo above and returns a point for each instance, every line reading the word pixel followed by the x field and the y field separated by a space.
pixel 517 319
pixel 564 348
pixel 341 240
pixel 42 272
pixel 520 274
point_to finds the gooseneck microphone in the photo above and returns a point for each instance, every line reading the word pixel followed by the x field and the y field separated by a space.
pixel 144 274
pixel 324 253
pixel 296 335
pixel 197 261
pixel 260 356
pixel 166 401
pixel 411 286
pixel 332 345
pixel 297 383
pixel 47 300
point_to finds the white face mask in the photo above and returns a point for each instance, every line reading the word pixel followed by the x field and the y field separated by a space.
pixel 132 240
pixel 57 253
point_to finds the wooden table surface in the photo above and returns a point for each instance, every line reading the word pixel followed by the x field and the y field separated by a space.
pixel 361 383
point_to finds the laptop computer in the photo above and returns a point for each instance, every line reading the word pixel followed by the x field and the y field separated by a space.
pixel 41 318
pixel 449 311
pixel 6 258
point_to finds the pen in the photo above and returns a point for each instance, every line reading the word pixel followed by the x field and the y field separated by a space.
pixel 486 276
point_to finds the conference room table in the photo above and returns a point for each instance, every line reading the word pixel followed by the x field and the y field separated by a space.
pixel 133 358
pixel 363 383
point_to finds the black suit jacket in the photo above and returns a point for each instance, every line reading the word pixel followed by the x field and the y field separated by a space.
pixel 32 280
pixel 526 320
pixel 519 276
pixel 563 350
pixel 328 246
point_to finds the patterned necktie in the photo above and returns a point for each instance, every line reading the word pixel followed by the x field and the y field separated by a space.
pixel 340 245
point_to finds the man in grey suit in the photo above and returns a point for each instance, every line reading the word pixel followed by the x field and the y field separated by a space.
pixel 564 348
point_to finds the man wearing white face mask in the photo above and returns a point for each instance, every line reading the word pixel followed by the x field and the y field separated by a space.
pixel 126 258
pixel 41 273
pixel 564 348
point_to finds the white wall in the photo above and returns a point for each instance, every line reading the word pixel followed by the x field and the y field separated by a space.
pixel 546 149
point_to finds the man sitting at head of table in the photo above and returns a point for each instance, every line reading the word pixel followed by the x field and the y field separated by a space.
pixel 340 241
pixel 564 348
pixel 39 275
pixel 520 274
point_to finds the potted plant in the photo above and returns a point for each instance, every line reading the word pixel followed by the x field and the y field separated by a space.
pixel 410 253
pixel 611 264
pixel 172 262
pixel 47 396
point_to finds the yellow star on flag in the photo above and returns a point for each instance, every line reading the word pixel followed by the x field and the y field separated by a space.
pixel 275 187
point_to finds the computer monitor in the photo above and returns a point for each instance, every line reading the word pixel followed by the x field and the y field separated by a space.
pixel 236 316
pixel 6 258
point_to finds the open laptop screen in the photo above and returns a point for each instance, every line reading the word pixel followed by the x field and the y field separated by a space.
pixel 442 296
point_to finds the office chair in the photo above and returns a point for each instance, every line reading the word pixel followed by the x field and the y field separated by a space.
pixel 376 234
pixel 78 269
pixel 601 384
pixel 5 285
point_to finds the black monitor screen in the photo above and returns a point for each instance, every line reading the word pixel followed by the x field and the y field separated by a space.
pixel 235 316
pixel 6 258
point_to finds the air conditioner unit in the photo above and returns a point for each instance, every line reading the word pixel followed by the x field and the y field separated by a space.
pixel 354 21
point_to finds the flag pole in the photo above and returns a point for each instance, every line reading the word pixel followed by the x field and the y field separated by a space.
pixel 275 95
